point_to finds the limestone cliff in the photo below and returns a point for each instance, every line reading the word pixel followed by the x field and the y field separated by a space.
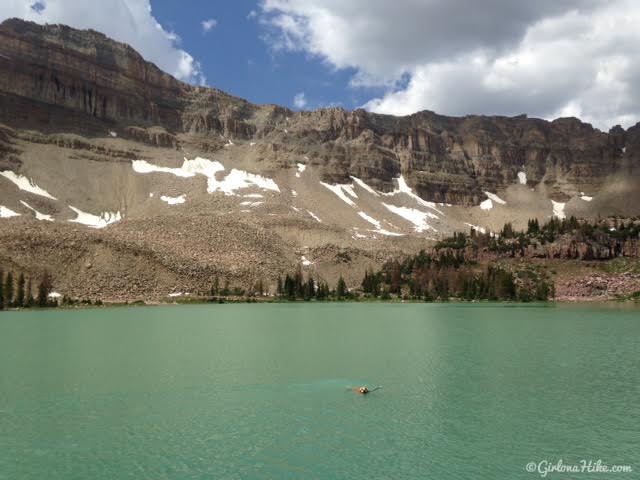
pixel 57 79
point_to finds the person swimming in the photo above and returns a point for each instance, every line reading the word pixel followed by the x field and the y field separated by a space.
pixel 363 390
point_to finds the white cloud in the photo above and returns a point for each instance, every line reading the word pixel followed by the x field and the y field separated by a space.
pixel 129 21
pixel 300 100
pixel 544 58
pixel 252 14
pixel 208 25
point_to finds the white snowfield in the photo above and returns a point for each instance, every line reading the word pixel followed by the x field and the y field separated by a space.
pixel 404 188
pixel 26 184
pixel 251 204
pixel 305 261
pixel 558 210
pixel 189 168
pixel 495 198
pixel 378 225
pixel 95 221
pixel 487 204
pixel 235 180
pixel 586 198
pixel 174 200
pixel 369 219
pixel 365 186
pixel 341 190
pixel 253 195
pixel 7 212
pixel 417 217
pixel 39 216
pixel 314 216
pixel 522 178
pixel 54 295
pixel 301 168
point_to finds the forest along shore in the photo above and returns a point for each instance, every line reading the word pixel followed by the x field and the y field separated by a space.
pixel 561 260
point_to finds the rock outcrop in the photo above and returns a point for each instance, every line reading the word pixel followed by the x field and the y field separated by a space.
pixel 58 79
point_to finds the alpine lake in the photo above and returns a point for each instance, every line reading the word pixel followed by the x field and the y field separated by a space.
pixel 262 391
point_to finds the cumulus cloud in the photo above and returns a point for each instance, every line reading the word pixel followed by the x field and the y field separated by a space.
pixel 543 58
pixel 300 100
pixel 208 25
pixel 129 21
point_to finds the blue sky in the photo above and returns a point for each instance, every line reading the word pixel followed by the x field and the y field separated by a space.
pixel 235 57
pixel 547 58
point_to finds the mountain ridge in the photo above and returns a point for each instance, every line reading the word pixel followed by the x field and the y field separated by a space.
pixel 118 144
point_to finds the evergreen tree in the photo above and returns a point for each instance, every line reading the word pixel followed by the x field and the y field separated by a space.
pixel 225 290
pixel 28 301
pixel 20 293
pixel 322 292
pixel 215 288
pixel 279 288
pixel 341 289
pixel 44 289
pixel 309 289
pixel 8 289
pixel 289 287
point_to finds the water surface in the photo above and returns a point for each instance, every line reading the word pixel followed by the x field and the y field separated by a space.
pixel 259 391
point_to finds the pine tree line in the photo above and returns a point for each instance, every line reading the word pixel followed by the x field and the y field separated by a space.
pixel 294 287
pixel 19 294
pixel 446 274
pixel 607 232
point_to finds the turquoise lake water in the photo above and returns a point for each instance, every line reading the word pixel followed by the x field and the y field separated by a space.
pixel 260 391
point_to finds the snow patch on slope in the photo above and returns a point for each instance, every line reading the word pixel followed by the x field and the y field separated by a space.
pixel 522 178
pixel 377 224
pixel 417 217
pixel 7 212
pixel 558 210
pixel 26 184
pixel 314 216
pixel 239 179
pixel 95 221
pixel 173 200
pixel 301 168
pixel 340 189
pixel 235 180
pixel 487 204
pixel 495 198
pixel 39 216
pixel 365 186
pixel 404 188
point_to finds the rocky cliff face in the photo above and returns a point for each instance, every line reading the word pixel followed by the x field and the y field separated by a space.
pixel 55 78
pixel 192 183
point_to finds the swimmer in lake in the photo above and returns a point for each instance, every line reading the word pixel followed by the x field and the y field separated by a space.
pixel 363 390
